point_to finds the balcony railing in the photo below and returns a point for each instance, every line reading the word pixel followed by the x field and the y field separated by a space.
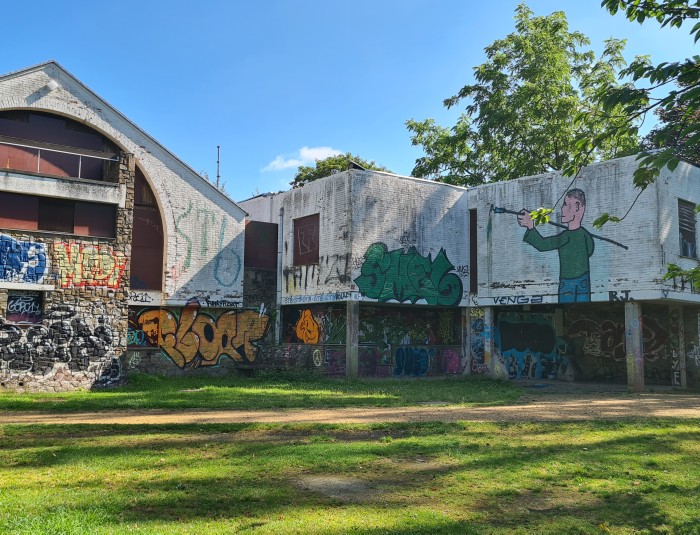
pixel 50 160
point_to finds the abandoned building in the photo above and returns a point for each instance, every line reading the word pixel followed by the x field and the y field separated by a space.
pixel 116 257
pixel 428 278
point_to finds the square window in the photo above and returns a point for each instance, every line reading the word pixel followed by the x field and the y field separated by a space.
pixel 24 308
pixel 306 240
pixel 686 229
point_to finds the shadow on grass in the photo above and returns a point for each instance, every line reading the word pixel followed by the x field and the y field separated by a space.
pixel 437 478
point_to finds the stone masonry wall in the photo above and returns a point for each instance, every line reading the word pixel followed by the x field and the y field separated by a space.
pixel 68 329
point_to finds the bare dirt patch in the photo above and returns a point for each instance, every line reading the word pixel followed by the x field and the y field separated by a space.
pixel 536 404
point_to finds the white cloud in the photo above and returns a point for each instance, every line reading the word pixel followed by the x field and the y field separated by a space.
pixel 304 156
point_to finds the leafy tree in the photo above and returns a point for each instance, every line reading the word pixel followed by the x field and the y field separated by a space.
pixel 331 165
pixel 518 120
pixel 679 132
pixel 669 134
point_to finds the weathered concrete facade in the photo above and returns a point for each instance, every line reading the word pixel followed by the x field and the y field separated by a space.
pixel 593 309
pixel 380 241
pixel 460 283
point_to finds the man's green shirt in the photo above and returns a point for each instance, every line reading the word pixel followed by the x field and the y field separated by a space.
pixel 574 246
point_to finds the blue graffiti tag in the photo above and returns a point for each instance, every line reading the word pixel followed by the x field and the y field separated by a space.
pixel 22 261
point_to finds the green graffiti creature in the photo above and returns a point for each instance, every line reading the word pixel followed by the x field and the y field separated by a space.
pixel 407 276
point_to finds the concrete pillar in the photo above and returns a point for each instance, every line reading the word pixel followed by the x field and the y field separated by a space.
pixel 352 332
pixel 492 359
pixel 678 370
pixel 280 263
pixel 466 360
pixel 634 346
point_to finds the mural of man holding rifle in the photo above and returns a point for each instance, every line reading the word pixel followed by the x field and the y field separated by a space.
pixel 575 246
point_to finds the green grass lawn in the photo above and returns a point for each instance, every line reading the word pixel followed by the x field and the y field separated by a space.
pixel 267 392
pixel 594 477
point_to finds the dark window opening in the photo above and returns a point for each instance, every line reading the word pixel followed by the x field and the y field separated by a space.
pixel 473 253
pixel 143 194
pixel 36 142
pixel 260 245
pixel 306 231
pixel 146 238
pixel 56 215
pixel 30 212
pixel 686 228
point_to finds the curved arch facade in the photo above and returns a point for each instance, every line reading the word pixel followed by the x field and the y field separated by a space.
pixel 145 231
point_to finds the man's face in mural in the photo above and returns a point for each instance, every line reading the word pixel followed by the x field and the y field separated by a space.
pixel 572 212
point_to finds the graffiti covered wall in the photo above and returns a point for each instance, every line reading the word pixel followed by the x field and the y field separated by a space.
pixel 399 341
pixel 597 338
pixel 528 345
pixel 22 260
pixel 191 337
pixel 314 324
pixel 205 253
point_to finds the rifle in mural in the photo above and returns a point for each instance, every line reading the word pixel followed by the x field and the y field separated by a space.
pixel 501 210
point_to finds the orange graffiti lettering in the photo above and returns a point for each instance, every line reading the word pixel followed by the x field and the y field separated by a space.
pixel 307 328
pixel 197 339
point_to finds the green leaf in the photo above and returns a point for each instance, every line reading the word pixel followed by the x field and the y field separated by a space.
pixel 540 216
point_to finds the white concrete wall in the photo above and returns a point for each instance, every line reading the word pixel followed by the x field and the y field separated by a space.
pixel 426 222
pixel 358 209
pixel 511 271
pixel 683 183
pixel 203 229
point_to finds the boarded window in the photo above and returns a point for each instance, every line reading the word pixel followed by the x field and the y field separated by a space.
pixel 19 212
pixel 146 239
pixel 306 240
pixel 686 227
pixel 57 146
pixel 56 215
pixel 260 245
pixel 93 219
pixel 30 212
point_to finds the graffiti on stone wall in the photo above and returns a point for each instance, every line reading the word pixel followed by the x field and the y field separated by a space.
pixel 63 337
pixel 24 307
pixel 327 360
pixel 407 276
pixel 84 264
pixel 192 338
pixel 314 324
pixel 22 261
pixel 210 228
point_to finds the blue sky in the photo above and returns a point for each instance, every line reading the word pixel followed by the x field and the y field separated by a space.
pixel 277 83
